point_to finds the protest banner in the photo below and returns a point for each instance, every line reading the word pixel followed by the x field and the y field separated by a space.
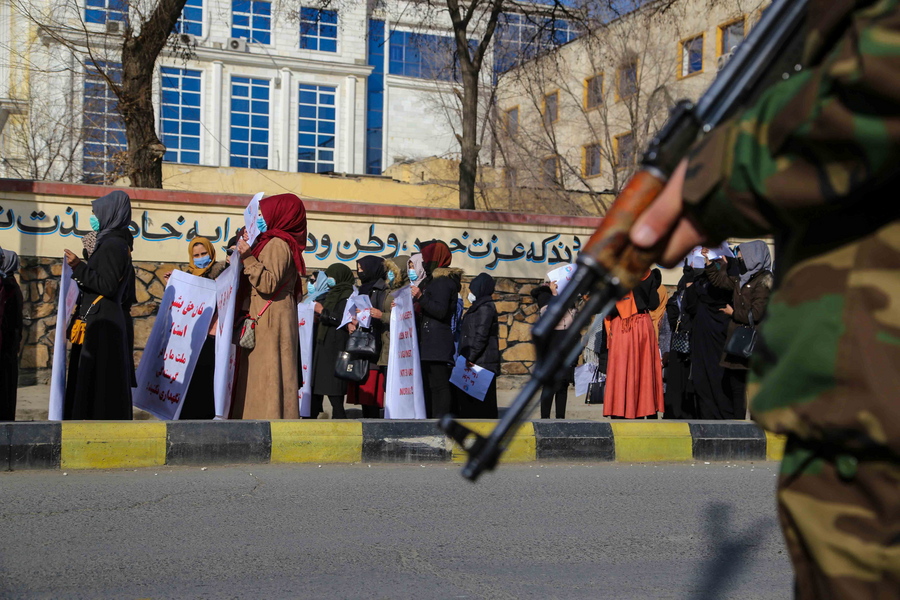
pixel 474 380
pixel 561 276
pixel 68 295
pixel 226 352
pixel 250 214
pixel 171 353
pixel 404 397
pixel 306 314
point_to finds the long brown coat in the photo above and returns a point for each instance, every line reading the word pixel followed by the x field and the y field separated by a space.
pixel 267 381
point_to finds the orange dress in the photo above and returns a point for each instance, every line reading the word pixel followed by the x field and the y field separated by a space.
pixel 634 386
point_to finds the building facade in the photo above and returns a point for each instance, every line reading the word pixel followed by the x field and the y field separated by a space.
pixel 577 118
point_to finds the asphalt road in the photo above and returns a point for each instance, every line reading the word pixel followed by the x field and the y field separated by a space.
pixel 394 531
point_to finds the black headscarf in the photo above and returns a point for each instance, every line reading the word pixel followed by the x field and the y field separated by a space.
pixel 114 213
pixel 481 286
pixel 372 273
pixel 542 295
pixel 342 288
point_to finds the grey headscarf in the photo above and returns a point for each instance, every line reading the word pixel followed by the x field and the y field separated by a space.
pixel 418 267
pixel 9 263
pixel 756 258
pixel 113 211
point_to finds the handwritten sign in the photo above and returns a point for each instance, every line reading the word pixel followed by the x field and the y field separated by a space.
pixel 561 276
pixel 306 314
pixel 474 380
pixel 68 296
pixel 349 308
pixel 364 305
pixel 250 214
pixel 404 397
pixel 174 345
pixel 226 352
pixel 584 376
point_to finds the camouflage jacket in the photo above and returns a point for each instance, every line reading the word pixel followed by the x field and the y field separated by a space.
pixel 815 161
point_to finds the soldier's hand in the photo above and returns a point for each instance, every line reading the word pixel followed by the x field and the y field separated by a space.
pixel 666 219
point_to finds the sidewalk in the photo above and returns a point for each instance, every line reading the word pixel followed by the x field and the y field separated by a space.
pixel 33 402
pixel 148 442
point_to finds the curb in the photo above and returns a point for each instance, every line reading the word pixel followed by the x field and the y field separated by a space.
pixel 132 444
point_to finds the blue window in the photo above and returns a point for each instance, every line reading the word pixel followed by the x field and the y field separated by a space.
pixel 375 98
pixel 101 11
pixel 692 56
pixel 250 123
pixel 252 20
pixel 191 19
pixel 422 55
pixel 316 129
pixel 102 125
pixel 521 37
pixel 180 115
pixel 318 29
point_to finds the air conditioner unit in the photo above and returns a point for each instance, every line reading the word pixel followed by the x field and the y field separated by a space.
pixel 187 39
pixel 236 44
pixel 113 27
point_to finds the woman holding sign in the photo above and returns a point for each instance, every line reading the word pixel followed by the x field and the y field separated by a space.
pixel 101 365
pixel 369 394
pixel 331 340
pixel 267 381
pixel 480 345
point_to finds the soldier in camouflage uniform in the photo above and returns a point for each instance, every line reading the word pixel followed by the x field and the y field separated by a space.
pixel 816 162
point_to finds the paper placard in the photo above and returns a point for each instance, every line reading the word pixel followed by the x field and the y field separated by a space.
pixel 404 397
pixel 561 276
pixel 171 353
pixel 306 313
pixel 226 352
pixel 250 214
pixel 584 376
pixel 68 296
pixel 474 380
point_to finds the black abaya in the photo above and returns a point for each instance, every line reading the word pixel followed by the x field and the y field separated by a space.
pixel 709 327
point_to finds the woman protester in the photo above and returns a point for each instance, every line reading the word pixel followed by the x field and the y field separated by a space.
pixel 559 391
pixel 634 373
pixel 369 394
pixel 331 341
pixel 750 291
pixel 709 328
pixel 11 324
pixel 101 365
pixel 437 299
pixel 679 393
pixel 479 344
pixel 200 401
pixel 267 381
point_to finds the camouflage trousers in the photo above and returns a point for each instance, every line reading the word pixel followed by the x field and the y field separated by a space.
pixel 841 522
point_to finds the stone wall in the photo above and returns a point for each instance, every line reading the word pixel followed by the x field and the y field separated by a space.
pixel 39 279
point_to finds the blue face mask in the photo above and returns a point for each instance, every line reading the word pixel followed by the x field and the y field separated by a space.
pixel 390 277
pixel 95 223
pixel 261 224
pixel 203 261
pixel 413 275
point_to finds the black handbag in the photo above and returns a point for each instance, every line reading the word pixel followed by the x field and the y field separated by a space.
pixel 350 368
pixel 362 344
pixel 681 340
pixel 742 340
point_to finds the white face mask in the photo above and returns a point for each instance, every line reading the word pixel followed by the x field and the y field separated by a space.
pixel 471 297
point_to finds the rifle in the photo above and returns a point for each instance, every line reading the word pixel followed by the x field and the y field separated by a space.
pixel 608 266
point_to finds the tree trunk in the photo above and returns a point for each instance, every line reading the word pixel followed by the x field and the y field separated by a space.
pixel 468 141
pixel 145 151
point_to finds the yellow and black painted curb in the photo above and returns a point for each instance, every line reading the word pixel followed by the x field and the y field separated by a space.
pixel 131 444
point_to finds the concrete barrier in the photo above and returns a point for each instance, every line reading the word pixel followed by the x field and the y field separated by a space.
pixel 131 444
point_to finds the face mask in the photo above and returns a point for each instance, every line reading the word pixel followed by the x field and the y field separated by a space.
pixel 203 261
pixel 95 223
pixel 413 275
pixel 390 277
pixel 471 297
pixel 261 224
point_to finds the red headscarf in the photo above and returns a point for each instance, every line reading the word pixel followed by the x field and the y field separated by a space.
pixel 435 254
pixel 285 218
